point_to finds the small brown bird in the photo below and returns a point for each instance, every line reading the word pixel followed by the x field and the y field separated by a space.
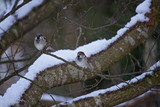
pixel 40 42
pixel 82 61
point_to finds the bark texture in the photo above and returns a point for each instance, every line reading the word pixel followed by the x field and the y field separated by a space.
pixel 67 74
pixel 110 99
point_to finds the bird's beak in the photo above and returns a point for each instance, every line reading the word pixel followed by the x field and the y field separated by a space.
pixel 79 57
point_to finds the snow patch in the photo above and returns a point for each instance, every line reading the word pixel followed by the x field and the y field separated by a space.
pixel 26 9
pixel 135 19
pixel 56 98
pixel 144 7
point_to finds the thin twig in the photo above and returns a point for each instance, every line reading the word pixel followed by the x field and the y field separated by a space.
pixel 11 61
pixel 21 69
pixel 78 38
pixel 151 49
pixel 138 63
pixel 118 76
pixel 15 4
pixel 60 59
pixel 88 28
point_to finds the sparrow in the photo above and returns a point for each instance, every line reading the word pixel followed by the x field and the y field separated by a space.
pixel 82 61
pixel 40 42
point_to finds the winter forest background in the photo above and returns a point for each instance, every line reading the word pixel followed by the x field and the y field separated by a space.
pixel 87 25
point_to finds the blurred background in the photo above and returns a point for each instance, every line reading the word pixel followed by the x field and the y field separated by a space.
pixel 78 23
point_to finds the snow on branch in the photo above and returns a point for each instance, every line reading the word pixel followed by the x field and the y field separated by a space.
pixel 19 14
pixel 100 97
pixel 49 72
pixel 56 97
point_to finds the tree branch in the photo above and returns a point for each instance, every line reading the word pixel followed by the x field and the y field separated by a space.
pixel 112 98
